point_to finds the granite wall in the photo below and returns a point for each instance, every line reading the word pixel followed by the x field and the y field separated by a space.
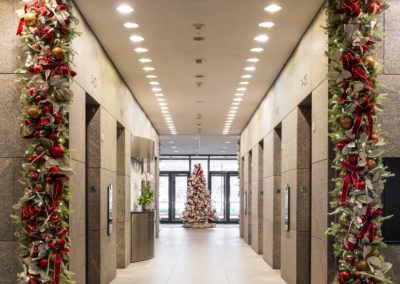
pixel 97 83
pixel 294 113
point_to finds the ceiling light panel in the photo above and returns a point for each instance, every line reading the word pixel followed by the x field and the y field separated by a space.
pixel 136 38
pixel 261 38
pixel 273 8
pixel 125 9
pixel 267 25
pixel 257 49
pixel 130 25
pixel 141 50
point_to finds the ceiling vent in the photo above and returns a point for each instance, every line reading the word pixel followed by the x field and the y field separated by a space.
pixel 199 76
pixel 198 37
pixel 198 26
pixel 199 84
pixel 199 60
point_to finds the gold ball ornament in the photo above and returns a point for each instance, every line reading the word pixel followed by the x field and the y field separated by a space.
pixel 375 252
pixel 346 122
pixel 342 219
pixel 33 112
pixel 59 96
pixel 369 62
pixel 30 19
pixel 371 164
pixel 362 265
pixel 58 52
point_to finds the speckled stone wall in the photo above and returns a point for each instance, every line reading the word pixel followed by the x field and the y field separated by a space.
pixel 12 147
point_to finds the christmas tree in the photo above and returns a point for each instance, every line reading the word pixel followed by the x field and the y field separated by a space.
pixel 198 212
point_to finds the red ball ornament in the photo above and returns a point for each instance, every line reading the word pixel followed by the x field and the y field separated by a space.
pixel 345 275
pixel 373 7
pixel 37 69
pixel 33 157
pixel 32 91
pixel 54 170
pixel 341 145
pixel 57 151
pixel 350 259
pixel 58 117
pixel 43 262
pixel 48 109
pixel 34 175
pixel 38 99
pixel 44 120
pixel 53 136
pixel 374 137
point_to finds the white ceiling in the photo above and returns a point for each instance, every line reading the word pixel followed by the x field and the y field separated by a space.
pixel 229 31
pixel 199 145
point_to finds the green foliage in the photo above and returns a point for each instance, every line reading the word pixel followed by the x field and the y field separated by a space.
pixel 147 196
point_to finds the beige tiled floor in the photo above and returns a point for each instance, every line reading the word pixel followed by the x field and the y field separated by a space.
pixel 194 256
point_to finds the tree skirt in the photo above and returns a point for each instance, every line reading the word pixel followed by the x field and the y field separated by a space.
pixel 199 225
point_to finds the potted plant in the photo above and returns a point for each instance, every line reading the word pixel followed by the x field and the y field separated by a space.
pixel 147 194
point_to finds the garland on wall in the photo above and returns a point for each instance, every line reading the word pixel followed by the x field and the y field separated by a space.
pixel 356 100
pixel 46 55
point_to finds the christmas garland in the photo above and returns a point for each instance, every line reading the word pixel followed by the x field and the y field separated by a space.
pixel 355 100
pixel 46 34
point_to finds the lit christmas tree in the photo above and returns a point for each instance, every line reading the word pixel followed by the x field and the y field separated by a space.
pixel 199 212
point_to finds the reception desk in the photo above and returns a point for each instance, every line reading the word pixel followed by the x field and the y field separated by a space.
pixel 143 237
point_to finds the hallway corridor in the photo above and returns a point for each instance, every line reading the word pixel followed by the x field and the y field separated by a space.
pixel 191 256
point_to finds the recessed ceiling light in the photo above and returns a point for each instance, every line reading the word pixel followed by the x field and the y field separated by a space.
pixel 164 107
pixel 162 104
pixel 266 25
pixel 236 103
pixel 175 150
pixel 261 38
pixel 164 111
pixel 141 50
pixel 222 151
pixel 227 142
pixel 171 142
pixel 273 8
pixel 154 83
pixel 130 25
pixel 151 76
pixel 241 89
pixel 173 147
pixel 156 89
pixel 225 147
pixel 161 99
pixel 159 95
pixel 237 99
pixel 136 38
pixel 247 76
pixel 239 94
pixel 254 60
pixel 148 68
pixel 250 68
pixel 145 60
pixel 257 49
pixel 244 83
pixel 234 107
pixel 125 9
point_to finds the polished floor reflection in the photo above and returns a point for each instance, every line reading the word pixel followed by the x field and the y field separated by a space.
pixel 194 256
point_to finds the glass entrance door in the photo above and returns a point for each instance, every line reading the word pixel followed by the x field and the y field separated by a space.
pixel 179 190
pixel 224 188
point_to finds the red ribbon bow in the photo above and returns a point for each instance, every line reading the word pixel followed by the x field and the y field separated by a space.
pixel 369 227
pixel 351 177
pixel 58 246
pixel 351 8
pixel 366 109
